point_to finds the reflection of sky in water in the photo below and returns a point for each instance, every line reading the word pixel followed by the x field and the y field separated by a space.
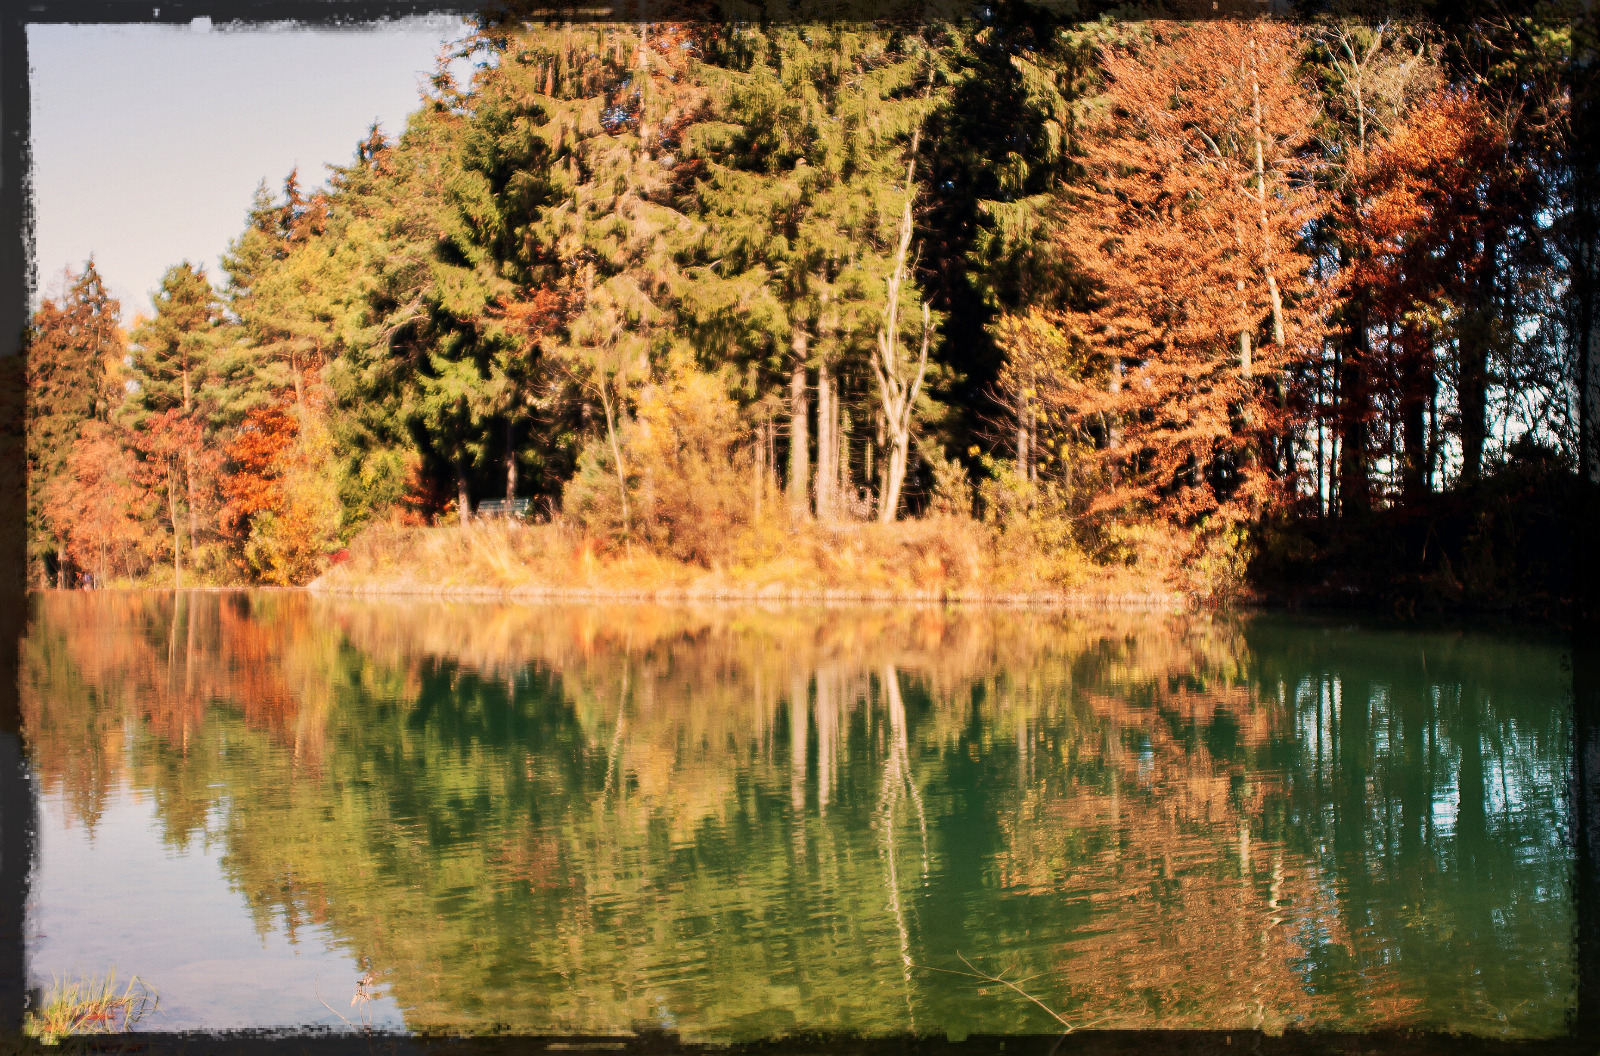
pixel 123 898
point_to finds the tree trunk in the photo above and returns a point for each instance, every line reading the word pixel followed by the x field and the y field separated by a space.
pixel 772 454
pixel 463 498
pixel 1023 445
pixel 842 491
pixel 894 476
pixel 827 456
pixel 177 533
pixel 1353 411
pixel 1261 200
pixel 1114 426
pixel 1472 359
pixel 759 472
pixel 898 393
pixel 616 454
pixel 511 461
pixel 799 432
pixel 188 472
pixel 1472 401
pixel 1414 382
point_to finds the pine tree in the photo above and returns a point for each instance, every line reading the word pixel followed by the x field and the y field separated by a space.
pixel 800 204
pixel 176 373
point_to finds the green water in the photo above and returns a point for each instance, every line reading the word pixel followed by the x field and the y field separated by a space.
pixel 743 823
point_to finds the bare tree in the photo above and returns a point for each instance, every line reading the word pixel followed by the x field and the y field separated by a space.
pixel 899 383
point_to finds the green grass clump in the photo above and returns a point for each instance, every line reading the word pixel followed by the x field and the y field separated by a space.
pixel 89 1005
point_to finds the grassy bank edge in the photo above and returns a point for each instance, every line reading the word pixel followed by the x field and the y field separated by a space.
pixel 1137 601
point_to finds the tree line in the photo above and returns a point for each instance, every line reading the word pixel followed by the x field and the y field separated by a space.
pixel 672 280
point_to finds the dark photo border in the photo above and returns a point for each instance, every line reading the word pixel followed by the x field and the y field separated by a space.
pixel 18 803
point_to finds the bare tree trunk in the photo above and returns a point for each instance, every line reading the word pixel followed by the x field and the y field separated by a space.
pixel 511 461
pixel 188 472
pixel 758 471
pixel 463 497
pixel 897 393
pixel 616 454
pixel 827 456
pixel 1114 427
pixel 843 490
pixel 772 454
pixel 177 533
pixel 1022 438
pixel 1261 200
pixel 188 465
pixel 799 431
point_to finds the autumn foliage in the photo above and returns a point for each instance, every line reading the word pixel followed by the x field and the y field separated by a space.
pixel 1125 295
pixel 1188 234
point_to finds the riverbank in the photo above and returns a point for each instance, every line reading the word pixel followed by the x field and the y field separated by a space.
pixel 937 560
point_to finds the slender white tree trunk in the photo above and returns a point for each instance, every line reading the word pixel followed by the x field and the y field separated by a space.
pixel 616 455
pixel 827 455
pixel 799 431
pixel 897 392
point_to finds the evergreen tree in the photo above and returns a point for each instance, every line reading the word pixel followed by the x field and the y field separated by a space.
pixel 800 207
pixel 176 371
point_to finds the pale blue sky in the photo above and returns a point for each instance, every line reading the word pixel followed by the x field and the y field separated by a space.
pixel 148 141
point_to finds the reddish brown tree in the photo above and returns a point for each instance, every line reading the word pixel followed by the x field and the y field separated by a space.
pixel 1426 219
pixel 1189 236
pixel 169 452
pixel 98 508
pixel 251 484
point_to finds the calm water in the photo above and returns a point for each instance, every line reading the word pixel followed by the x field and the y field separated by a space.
pixel 735 824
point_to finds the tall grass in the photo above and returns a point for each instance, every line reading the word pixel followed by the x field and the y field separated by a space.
pixel 89 1005
pixel 934 558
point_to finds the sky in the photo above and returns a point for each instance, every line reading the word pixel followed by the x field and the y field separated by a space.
pixel 149 141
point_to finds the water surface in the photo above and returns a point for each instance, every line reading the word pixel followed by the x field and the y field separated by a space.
pixel 742 823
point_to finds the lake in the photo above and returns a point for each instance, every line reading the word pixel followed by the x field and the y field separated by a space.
pixel 740 823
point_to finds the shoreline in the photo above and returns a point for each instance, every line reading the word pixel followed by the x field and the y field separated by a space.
pixel 1129 601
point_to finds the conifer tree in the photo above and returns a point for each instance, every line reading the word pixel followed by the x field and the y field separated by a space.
pixel 800 203
pixel 176 371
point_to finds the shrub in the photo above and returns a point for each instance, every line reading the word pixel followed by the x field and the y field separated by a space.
pixel 688 468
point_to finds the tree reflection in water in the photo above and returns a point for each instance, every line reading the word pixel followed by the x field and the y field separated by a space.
pixel 737 823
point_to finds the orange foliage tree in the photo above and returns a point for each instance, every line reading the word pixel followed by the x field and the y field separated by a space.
pixel 98 507
pixel 1422 224
pixel 252 484
pixel 1187 231
pixel 169 449
pixel 276 488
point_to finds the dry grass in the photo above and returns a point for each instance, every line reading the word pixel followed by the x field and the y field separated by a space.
pixel 933 559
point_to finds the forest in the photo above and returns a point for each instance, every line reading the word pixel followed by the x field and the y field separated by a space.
pixel 1012 302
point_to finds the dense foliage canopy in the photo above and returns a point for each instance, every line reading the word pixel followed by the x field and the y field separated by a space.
pixel 1060 276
